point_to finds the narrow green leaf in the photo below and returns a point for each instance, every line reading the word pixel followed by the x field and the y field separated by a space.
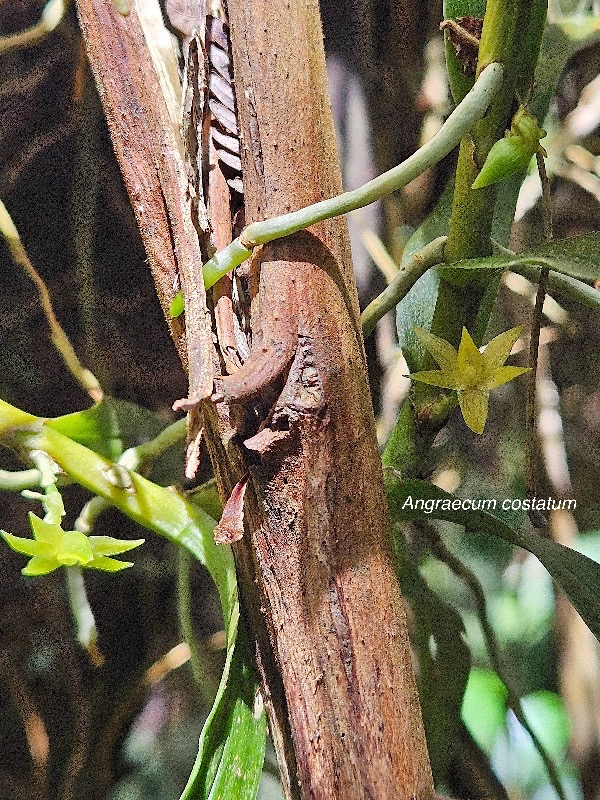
pixel 96 427
pixel 109 427
pixel 577 575
pixel 417 308
pixel 484 707
pixel 232 746
pixel 576 257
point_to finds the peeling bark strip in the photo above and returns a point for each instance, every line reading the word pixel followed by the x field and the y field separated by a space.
pixel 316 508
pixel 154 174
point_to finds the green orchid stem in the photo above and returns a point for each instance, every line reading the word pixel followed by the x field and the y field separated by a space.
pixel 149 451
pixel 132 459
pixel 407 276
pixel 158 509
pixel 511 35
pixel 458 124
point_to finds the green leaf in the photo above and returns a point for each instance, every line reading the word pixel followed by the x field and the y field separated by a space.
pixel 484 707
pixel 577 575
pixel 546 714
pixel 416 309
pixel 232 744
pixel 576 257
pixel 560 42
pixel 96 427
pixel 109 427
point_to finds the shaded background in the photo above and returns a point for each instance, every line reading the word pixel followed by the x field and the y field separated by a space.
pixel 100 725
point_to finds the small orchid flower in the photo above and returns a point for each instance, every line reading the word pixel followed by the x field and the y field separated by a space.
pixel 52 547
pixel 473 374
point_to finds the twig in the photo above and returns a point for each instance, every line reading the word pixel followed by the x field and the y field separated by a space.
pixel 537 519
pixel 83 376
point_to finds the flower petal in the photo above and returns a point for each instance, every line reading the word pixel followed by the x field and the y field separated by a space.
pixel 498 349
pixel 107 546
pixel 74 548
pixel 28 547
pixel 474 407
pixel 470 363
pixel 445 379
pixel 107 564
pixel 503 375
pixel 47 532
pixel 40 566
pixel 440 349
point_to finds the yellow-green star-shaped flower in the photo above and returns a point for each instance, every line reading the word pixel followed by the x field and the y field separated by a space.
pixel 52 547
pixel 472 374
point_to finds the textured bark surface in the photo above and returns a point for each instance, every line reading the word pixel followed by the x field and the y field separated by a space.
pixel 318 518
pixel 316 571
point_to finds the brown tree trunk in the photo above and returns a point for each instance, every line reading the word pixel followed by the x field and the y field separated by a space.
pixel 316 569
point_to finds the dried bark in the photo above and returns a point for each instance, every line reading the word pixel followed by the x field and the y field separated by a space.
pixel 316 569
